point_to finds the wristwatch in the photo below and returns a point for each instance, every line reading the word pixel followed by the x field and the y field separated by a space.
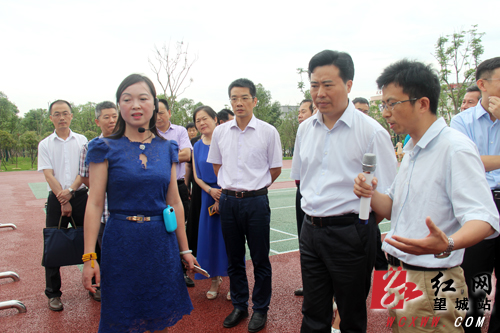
pixel 448 250
pixel 71 191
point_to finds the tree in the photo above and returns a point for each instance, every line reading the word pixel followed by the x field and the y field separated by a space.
pixel 288 131
pixel 266 110
pixel 301 84
pixel 458 56
pixel 6 143
pixel 8 114
pixel 171 69
pixel 90 135
pixel 182 111
pixel 83 118
pixel 37 120
pixel 29 140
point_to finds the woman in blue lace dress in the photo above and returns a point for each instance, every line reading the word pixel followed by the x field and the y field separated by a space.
pixel 211 248
pixel 141 278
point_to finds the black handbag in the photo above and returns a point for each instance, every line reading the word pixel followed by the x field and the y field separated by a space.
pixel 62 246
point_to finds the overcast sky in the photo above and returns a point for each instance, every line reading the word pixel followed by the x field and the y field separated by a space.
pixel 81 50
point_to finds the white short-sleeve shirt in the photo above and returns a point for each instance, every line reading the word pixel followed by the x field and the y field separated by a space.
pixel 246 156
pixel 62 156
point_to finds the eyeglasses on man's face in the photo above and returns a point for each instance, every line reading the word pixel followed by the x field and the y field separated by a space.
pixel 58 114
pixel 244 99
pixel 391 106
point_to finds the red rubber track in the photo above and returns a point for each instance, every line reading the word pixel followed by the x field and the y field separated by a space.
pixel 21 251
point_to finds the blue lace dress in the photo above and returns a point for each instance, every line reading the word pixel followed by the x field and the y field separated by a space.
pixel 142 283
pixel 211 248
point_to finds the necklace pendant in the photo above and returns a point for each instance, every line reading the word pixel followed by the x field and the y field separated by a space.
pixel 142 147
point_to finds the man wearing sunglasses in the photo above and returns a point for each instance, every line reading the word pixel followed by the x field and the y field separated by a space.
pixel 480 123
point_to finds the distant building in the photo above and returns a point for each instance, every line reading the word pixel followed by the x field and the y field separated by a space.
pixel 285 109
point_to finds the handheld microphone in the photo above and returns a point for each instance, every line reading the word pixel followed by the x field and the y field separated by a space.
pixel 369 164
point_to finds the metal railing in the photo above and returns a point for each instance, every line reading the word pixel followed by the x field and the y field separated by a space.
pixel 8 225
pixel 13 303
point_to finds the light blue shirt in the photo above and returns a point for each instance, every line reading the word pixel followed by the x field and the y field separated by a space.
pixel 475 122
pixel 245 156
pixel 442 176
pixel 327 161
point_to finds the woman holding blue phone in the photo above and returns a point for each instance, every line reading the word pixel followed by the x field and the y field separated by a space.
pixel 141 278
pixel 211 248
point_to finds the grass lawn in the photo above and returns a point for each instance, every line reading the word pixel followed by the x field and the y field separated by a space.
pixel 23 164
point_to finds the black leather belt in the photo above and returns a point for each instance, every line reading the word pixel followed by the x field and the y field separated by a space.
pixel 246 194
pixel 496 194
pixel 393 261
pixel 180 181
pixel 333 220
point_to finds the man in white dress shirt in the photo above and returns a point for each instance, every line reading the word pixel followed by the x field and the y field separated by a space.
pixel 247 158
pixel 337 252
pixel 439 203
pixel 58 158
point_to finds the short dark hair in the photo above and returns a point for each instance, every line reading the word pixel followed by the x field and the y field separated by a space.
pixel 165 102
pixel 224 115
pixel 205 108
pixel 190 125
pixel 58 102
pixel 310 105
pixel 473 88
pixel 119 130
pixel 103 105
pixel 416 79
pixel 486 68
pixel 243 83
pixel 360 100
pixel 341 60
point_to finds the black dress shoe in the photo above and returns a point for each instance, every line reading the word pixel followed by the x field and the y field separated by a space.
pixel 257 322
pixel 234 318
pixel 299 292
pixel 189 281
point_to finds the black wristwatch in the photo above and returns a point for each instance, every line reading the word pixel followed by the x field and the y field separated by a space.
pixel 71 191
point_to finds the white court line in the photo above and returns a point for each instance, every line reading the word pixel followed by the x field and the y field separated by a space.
pixel 276 252
pixel 284 232
pixel 283 207
pixel 282 191
pixel 284 240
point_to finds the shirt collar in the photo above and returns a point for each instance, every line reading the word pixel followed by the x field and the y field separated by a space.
pixel 431 133
pixel 346 118
pixel 480 111
pixel 168 129
pixel 252 123
pixel 55 136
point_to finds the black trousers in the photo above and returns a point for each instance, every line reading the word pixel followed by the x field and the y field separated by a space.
pixel 337 259
pixel 299 213
pixel 381 259
pixel 478 259
pixel 78 204
pixel 247 218
pixel 184 194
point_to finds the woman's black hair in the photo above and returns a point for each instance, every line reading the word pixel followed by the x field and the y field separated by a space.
pixel 120 123
pixel 207 109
